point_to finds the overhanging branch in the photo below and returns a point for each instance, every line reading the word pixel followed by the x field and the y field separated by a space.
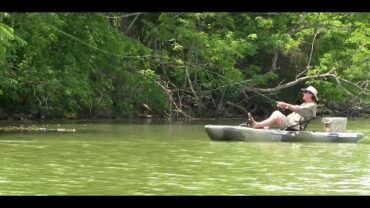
pixel 302 79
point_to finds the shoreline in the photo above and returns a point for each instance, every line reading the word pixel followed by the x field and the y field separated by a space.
pixel 138 120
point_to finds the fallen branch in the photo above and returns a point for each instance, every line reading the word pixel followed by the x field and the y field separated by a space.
pixel 289 84
pixel 351 83
pixel 331 73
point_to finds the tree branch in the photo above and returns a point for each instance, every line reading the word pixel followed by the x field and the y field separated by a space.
pixel 132 23
pixel 125 15
pixel 274 60
pixel 290 84
pixel 170 97
pixel 351 83
pixel 317 31
pixel 190 84
pixel 239 107
pixel 331 73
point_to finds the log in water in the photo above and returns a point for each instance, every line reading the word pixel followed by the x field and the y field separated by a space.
pixel 33 129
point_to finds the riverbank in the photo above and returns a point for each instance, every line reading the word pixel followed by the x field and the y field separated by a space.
pixel 137 120
pixel 334 111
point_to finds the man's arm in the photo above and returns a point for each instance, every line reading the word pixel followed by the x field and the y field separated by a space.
pixel 306 111
pixel 288 106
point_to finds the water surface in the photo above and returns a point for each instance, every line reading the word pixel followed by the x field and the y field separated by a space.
pixel 141 158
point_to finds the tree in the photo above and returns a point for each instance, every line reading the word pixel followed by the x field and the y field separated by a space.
pixel 178 64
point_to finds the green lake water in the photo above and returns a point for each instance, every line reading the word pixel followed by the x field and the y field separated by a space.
pixel 143 158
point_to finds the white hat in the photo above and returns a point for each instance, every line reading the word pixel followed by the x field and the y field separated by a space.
pixel 312 90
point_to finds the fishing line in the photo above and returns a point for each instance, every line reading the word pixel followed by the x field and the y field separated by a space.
pixel 93 47
pixel 270 99
pixel 233 83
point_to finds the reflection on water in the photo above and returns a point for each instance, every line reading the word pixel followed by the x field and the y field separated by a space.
pixel 177 159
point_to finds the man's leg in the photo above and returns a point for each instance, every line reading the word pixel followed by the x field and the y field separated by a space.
pixel 276 118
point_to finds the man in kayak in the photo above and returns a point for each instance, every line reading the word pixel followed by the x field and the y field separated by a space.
pixel 304 112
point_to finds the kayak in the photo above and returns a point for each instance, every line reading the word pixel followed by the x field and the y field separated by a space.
pixel 239 133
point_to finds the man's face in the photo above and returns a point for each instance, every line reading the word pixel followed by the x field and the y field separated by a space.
pixel 307 95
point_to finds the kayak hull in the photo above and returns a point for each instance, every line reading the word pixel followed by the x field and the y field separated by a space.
pixel 239 133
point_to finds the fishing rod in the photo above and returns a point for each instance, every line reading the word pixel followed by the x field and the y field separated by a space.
pixel 245 112
pixel 270 99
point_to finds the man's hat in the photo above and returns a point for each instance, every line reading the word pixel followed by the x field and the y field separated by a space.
pixel 312 90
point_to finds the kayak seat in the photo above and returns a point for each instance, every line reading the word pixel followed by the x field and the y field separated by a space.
pixel 302 125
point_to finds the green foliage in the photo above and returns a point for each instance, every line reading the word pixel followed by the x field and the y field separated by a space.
pixel 53 74
pixel 85 64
